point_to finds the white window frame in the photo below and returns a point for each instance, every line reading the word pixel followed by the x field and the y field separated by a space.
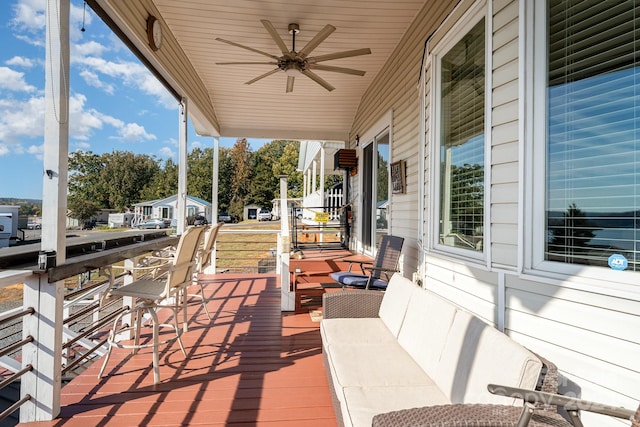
pixel 384 124
pixel 472 16
pixel 535 126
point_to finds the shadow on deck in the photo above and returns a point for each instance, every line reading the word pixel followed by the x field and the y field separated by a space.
pixel 251 365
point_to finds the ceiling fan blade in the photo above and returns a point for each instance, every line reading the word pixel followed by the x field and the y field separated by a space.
pixel 319 38
pixel 338 55
pixel 337 69
pixel 316 78
pixel 275 36
pixel 290 80
pixel 247 48
pixel 267 74
pixel 246 63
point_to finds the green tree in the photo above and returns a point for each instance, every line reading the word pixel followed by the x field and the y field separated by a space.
pixel 85 174
pixel 82 209
pixel 199 175
pixel 163 184
pixel 125 175
pixel 241 156
pixel 29 209
pixel 225 178
pixel 288 165
pixel 265 182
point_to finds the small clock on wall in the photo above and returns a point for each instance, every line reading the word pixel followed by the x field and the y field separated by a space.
pixel 154 33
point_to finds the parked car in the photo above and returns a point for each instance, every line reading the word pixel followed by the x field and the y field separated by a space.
pixel 33 226
pixel 153 223
pixel 200 220
pixel 224 217
pixel 264 215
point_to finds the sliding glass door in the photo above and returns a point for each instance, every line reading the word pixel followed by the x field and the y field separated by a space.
pixel 375 190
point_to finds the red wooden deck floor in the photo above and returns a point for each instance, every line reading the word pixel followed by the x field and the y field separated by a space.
pixel 251 365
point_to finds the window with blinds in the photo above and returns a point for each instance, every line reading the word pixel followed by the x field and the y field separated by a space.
pixel 462 115
pixel 593 133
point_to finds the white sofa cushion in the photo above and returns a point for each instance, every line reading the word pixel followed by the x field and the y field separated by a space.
pixel 355 331
pixel 476 354
pixel 395 301
pixel 426 327
pixel 375 365
pixel 366 402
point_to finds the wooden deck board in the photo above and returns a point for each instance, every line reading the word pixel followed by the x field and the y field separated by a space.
pixel 251 365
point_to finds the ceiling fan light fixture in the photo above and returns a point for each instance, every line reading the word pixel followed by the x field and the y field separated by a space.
pixel 292 70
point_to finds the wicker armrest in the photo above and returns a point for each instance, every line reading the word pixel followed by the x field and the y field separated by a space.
pixel 570 404
pixel 356 303
pixel 467 415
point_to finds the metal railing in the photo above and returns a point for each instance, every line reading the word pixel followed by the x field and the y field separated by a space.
pixel 320 227
pixel 87 315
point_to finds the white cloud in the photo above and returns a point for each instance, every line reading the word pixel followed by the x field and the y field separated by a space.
pixel 29 15
pixel 90 48
pixel 134 132
pixel 20 61
pixel 92 79
pixel 23 120
pixel 14 81
pixel 166 152
pixel 36 150
pixel 3 149
pixel 197 144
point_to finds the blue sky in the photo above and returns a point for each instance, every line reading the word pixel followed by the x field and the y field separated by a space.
pixel 115 104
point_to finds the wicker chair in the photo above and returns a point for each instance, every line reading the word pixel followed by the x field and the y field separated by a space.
pixel 534 413
pixel 377 275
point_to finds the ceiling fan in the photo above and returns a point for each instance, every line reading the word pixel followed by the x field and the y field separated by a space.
pixel 299 63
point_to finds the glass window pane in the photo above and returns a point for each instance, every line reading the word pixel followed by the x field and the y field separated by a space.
pixel 593 118
pixel 462 142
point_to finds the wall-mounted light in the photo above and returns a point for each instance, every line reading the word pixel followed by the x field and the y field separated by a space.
pixel 357 140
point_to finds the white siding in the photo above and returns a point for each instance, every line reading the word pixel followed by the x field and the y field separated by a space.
pixel 504 151
pixel 589 329
pixel 396 90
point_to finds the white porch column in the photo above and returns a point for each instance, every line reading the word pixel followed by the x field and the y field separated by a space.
pixel 321 183
pixel 211 268
pixel 314 185
pixel 182 169
pixel 287 300
pixel 304 184
pixel 45 326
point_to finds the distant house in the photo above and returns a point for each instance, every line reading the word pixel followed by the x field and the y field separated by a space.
pixel 167 208
pixel 251 211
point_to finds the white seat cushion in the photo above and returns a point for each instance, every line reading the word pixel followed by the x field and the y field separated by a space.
pixel 366 402
pixel 355 331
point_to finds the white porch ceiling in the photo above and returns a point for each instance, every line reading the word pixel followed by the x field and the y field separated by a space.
pixel 263 109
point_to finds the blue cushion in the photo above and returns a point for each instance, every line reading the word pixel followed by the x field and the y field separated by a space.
pixel 352 279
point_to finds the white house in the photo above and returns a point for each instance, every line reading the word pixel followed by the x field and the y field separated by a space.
pixel 167 208
pixel 511 125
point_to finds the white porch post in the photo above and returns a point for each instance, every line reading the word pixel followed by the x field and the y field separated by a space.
pixel 211 268
pixel 182 169
pixel 314 185
pixel 304 184
pixel 287 300
pixel 321 183
pixel 45 326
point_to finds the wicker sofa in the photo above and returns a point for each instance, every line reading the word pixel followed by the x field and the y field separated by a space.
pixel 409 348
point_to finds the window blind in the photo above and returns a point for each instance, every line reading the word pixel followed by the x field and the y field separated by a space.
pixel 593 129
pixel 462 142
